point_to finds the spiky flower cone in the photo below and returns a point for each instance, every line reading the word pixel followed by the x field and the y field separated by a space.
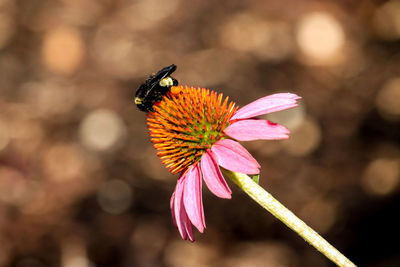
pixel 185 124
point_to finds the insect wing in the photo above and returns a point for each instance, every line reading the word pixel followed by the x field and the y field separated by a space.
pixel 165 72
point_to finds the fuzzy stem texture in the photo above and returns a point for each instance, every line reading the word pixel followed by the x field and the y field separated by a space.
pixel 268 202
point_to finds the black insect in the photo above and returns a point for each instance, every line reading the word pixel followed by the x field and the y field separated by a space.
pixel 154 88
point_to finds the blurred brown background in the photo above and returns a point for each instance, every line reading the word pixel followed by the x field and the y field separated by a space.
pixel 80 184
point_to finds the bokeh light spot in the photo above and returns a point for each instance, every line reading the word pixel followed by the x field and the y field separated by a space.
pixel 269 40
pixel 317 209
pixel 102 129
pixel 115 196
pixel 13 186
pixel 381 176
pixel 50 97
pixel 73 253
pixel 63 50
pixel 304 139
pixel 388 99
pixel 63 162
pixel 386 20
pixel 320 37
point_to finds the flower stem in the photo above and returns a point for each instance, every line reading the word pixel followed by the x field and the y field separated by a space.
pixel 268 202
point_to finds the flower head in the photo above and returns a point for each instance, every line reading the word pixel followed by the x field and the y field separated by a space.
pixel 195 131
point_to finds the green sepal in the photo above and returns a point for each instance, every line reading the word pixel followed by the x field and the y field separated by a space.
pixel 256 178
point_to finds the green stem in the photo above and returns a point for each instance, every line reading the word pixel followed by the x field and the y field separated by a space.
pixel 269 203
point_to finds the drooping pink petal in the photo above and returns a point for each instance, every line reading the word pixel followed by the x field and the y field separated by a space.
pixel 213 177
pixel 246 130
pixel 182 220
pixel 233 156
pixel 172 206
pixel 188 227
pixel 192 197
pixel 266 105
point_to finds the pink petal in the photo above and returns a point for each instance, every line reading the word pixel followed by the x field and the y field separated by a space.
pixel 188 233
pixel 266 105
pixel 172 206
pixel 192 197
pixel 188 228
pixel 182 220
pixel 246 130
pixel 233 156
pixel 213 177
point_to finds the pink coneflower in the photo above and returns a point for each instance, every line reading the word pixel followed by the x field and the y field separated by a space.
pixel 195 131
